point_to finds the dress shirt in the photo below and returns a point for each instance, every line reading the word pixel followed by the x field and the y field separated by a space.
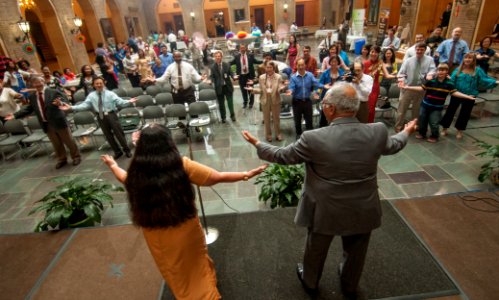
pixel 395 42
pixel 364 87
pixel 166 60
pixel 129 65
pixel 189 75
pixel 326 43
pixel 242 64
pixel 445 48
pixel 8 103
pixel 110 102
pixel 172 37
pixel 302 86
pixel 158 71
pixel 412 52
pixel 410 65
pixel 267 41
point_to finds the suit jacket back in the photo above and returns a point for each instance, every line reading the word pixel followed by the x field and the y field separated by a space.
pixel 340 193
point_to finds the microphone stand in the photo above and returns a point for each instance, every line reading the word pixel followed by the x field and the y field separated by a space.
pixel 210 233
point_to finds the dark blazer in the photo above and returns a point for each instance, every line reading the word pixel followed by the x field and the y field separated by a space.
pixel 55 116
pixel 217 78
pixel 251 61
pixel 340 193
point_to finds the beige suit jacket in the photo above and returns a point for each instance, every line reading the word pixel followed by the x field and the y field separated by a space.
pixel 275 96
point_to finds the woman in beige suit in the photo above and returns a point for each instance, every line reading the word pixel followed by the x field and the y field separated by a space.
pixel 270 99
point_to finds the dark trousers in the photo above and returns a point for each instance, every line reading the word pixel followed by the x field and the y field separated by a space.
pixel 183 96
pixel 304 108
pixel 134 79
pixel 173 46
pixel 243 79
pixel 112 129
pixel 59 138
pixel 464 113
pixel 221 103
pixel 429 116
pixel 354 255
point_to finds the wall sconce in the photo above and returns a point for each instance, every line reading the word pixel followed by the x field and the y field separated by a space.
pixel 285 6
pixel 78 22
pixel 193 16
pixel 25 28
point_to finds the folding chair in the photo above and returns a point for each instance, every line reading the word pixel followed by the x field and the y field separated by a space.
pixel 202 111
pixel 153 90
pixel 16 132
pixel 85 126
pixel 120 92
pixel 153 114
pixel 164 99
pixel 37 135
pixel 173 113
pixel 134 92
pixel 210 97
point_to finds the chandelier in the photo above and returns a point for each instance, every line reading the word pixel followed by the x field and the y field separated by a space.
pixel 26 4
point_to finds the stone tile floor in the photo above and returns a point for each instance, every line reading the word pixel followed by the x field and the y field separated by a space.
pixel 421 169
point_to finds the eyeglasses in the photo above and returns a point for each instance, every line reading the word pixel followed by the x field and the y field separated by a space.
pixel 323 103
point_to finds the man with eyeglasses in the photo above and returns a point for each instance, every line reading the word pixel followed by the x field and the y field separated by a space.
pixel 340 195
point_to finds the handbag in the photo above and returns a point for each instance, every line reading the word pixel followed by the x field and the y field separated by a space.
pixel 129 122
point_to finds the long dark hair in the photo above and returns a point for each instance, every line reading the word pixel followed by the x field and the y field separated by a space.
pixel 392 60
pixel 159 189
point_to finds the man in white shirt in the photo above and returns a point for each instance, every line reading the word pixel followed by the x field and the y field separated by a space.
pixel 182 77
pixel 363 84
pixel 172 39
pixel 324 46
pixel 412 50
pixel 391 41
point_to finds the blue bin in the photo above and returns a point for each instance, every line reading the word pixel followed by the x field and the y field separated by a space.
pixel 358 46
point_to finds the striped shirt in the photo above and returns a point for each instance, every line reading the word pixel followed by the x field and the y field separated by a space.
pixel 436 92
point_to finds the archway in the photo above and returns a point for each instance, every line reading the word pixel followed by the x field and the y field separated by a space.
pixel 113 25
pixel 169 15
pixel 47 36
pixel 261 11
pixel 307 13
pixel 216 16
pixel 90 27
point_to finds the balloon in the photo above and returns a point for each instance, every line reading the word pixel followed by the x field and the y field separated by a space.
pixel 242 34
pixel 229 35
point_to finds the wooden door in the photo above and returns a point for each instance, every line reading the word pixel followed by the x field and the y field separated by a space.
pixel 300 15
pixel 179 23
pixel 259 18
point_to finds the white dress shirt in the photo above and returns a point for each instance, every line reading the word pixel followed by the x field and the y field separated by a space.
pixel 412 52
pixel 189 75
pixel 364 87
pixel 172 38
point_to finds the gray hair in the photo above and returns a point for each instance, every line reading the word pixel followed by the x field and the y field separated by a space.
pixel 37 78
pixel 344 97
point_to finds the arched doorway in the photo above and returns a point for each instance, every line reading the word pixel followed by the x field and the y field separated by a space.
pixel 169 16
pixel 47 36
pixel 307 13
pixel 113 25
pixel 90 27
pixel 216 16
pixel 261 11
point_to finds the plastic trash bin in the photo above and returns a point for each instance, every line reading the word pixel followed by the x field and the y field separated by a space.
pixel 358 46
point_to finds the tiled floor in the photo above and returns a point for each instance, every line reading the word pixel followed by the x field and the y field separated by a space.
pixel 421 169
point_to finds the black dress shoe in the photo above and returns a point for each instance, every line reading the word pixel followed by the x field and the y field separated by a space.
pixel 128 154
pixel 244 105
pixel 308 290
pixel 60 164
pixel 118 155
pixel 223 121
pixel 76 161
pixel 250 106
pixel 233 118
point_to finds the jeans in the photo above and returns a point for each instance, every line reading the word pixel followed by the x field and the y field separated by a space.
pixel 429 116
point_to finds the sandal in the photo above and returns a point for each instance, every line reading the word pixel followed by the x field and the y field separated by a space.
pixel 459 135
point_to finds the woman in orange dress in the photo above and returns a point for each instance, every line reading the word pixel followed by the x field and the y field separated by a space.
pixel 161 197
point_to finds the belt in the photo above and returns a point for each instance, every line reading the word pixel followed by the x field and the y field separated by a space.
pixel 300 99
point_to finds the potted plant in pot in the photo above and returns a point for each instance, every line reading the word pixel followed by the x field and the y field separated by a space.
pixel 281 185
pixel 491 168
pixel 76 202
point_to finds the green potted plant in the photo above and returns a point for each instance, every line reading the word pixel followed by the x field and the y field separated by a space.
pixel 77 202
pixel 281 185
pixel 491 168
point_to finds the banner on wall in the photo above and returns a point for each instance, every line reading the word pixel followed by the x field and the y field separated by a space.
pixel 358 16
pixel 384 15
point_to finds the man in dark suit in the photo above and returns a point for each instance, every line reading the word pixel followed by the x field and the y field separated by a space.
pixel 221 77
pixel 45 102
pixel 245 71
pixel 340 194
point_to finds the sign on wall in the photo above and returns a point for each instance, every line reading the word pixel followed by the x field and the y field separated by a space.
pixel 384 15
pixel 358 16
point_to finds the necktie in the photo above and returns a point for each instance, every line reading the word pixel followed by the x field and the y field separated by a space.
pixel 221 73
pixel 450 61
pixel 415 75
pixel 41 104
pixel 180 84
pixel 245 69
pixel 101 111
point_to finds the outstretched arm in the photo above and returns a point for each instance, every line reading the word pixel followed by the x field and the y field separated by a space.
pixel 219 177
pixel 118 172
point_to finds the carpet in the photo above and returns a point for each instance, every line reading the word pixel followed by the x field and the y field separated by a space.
pixel 256 254
pixel 461 236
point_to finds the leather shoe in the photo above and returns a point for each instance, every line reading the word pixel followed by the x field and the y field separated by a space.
pixel 128 154
pixel 76 161
pixel 223 121
pixel 60 164
pixel 118 155
pixel 233 118
pixel 308 290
